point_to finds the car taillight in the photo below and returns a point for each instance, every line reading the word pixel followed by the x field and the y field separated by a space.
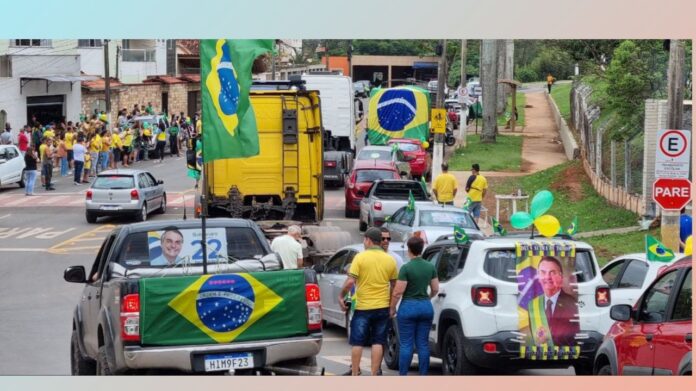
pixel 377 205
pixel 484 296
pixel 602 296
pixel 490 347
pixel 329 163
pixel 88 195
pixel 313 297
pixel 134 194
pixel 130 317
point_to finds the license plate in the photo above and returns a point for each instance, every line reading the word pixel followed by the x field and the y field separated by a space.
pixel 111 207
pixel 224 362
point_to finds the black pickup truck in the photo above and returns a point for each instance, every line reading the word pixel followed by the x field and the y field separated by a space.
pixel 147 306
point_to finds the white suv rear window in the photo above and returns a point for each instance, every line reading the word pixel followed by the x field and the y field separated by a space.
pixel 500 264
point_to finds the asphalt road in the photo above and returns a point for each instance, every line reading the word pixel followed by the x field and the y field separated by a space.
pixel 41 236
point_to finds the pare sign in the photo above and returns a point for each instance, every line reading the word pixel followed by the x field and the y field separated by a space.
pixel 672 193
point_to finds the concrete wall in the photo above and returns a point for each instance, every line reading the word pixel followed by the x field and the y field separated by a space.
pixel 45 65
pixel 572 150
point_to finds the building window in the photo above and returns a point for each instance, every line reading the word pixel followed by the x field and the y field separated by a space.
pixel 89 43
pixel 32 42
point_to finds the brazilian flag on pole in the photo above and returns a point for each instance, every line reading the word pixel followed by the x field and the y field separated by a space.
pixel 460 236
pixel 657 251
pixel 222 308
pixel 229 124
pixel 401 112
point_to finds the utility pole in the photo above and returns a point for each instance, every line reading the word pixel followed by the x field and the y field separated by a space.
pixel 438 146
pixel 107 82
pixel 273 63
pixel 462 59
pixel 489 82
pixel 669 230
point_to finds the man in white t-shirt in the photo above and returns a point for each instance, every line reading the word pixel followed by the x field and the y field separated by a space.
pixel 289 248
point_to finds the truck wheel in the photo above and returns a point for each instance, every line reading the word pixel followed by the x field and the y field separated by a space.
pixel 454 361
pixel 391 351
pixel 584 368
pixel 362 226
pixel 91 217
pixel 79 365
pixel 102 363
pixel 604 371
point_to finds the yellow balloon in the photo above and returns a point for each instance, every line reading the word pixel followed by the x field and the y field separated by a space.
pixel 425 144
pixel 688 246
pixel 547 225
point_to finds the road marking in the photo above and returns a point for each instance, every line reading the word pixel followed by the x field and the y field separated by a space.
pixel 69 245
pixel 5 216
pixel 42 250
pixel 340 219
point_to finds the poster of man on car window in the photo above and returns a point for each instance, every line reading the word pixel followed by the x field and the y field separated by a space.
pixel 547 300
pixel 171 246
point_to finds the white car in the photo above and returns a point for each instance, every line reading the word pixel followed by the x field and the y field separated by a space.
pixel 629 275
pixel 11 166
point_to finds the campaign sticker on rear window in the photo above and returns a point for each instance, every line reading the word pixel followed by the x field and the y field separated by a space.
pixel 172 246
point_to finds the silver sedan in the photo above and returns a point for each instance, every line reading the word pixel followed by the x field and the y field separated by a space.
pixel 430 222
pixel 124 192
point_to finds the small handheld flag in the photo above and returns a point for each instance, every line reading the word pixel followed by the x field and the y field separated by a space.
pixel 467 203
pixel 573 228
pixel 657 251
pixel 497 227
pixel 460 236
pixel 411 201
pixel 424 184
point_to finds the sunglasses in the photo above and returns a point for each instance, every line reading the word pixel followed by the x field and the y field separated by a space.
pixel 387 239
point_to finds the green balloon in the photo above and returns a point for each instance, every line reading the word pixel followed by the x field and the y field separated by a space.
pixel 541 203
pixel 521 220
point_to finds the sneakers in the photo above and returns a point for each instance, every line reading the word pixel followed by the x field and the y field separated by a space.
pixel 76 184
pixel 50 188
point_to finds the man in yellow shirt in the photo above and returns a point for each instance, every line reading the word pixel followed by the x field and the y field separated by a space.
pixel 95 145
pixel 69 142
pixel 445 186
pixel 476 187
pixel 374 273
pixel 116 145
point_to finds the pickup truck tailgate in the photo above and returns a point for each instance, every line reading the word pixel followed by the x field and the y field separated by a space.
pixel 222 308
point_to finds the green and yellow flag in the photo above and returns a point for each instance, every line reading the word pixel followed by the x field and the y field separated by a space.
pixel 657 251
pixel 411 201
pixel 229 124
pixel 400 112
pixel 573 228
pixel 460 236
pixel 497 227
pixel 222 308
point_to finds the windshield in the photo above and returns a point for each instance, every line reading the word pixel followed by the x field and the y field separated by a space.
pixel 408 147
pixel 445 218
pixel 373 175
pixel 114 182
pixel 170 247
pixel 373 154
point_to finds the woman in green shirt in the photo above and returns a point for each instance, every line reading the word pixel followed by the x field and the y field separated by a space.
pixel 416 311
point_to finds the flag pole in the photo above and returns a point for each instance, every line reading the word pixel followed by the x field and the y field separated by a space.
pixel 204 201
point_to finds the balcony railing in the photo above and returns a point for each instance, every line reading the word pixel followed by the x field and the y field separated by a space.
pixel 138 55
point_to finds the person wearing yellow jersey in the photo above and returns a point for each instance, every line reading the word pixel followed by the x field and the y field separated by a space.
pixel 69 142
pixel 476 187
pixel 445 186
pixel 105 151
pixel 161 143
pixel 127 146
pixel 116 145
pixel 49 133
pixel 95 145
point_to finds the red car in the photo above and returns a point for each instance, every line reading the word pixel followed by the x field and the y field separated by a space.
pixel 653 337
pixel 364 173
pixel 417 157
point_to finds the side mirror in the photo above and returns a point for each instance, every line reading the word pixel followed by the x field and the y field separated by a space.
pixel 621 312
pixel 318 268
pixel 75 274
pixel 160 182
pixel 360 193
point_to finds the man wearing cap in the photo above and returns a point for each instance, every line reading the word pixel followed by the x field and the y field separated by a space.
pixel 374 273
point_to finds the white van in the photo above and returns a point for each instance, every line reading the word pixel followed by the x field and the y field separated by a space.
pixel 11 166
pixel 337 107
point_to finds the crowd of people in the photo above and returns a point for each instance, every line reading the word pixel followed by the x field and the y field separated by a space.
pixel 86 147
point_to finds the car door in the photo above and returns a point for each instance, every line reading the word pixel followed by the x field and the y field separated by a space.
pixel 628 286
pixel 158 189
pixel 433 256
pixel 91 298
pixel 15 164
pixel 636 349
pixel 146 190
pixel 327 283
pixel 404 225
pixel 341 280
pixel 673 337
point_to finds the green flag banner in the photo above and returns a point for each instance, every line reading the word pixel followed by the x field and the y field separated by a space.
pixel 229 124
pixel 460 236
pixel 411 201
pixel 222 308
pixel 656 251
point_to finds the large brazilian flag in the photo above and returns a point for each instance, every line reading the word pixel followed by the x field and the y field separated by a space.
pixel 401 112
pixel 222 308
pixel 229 124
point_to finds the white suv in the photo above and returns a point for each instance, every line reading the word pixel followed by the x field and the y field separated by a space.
pixel 477 320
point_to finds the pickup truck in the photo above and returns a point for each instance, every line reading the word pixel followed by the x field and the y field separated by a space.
pixel 147 304
pixel 385 197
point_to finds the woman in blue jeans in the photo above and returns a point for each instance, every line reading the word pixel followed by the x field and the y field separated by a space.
pixel 415 313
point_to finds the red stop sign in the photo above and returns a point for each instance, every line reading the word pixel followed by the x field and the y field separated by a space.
pixel 672 193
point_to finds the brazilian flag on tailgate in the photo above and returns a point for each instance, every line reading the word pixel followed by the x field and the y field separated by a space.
pixel 401 112
pixel 222 308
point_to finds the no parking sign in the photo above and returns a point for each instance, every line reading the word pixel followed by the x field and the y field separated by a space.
pixel 673 154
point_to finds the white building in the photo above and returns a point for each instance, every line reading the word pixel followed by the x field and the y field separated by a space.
pixel 41 77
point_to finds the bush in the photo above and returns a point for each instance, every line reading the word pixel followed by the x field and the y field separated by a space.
pixel 527 74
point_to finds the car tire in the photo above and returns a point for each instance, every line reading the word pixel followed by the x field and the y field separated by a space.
pixel 91 217
pixel 163 206
pixel 80 365
pixel 604 371
pixel 391 351
pixel 103 368
pixel 21 182
pixel 584 368
pixel 362 226
pixel 142 215
pixel 454 361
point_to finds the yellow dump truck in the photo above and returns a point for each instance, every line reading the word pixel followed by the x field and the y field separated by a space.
pixel 282 185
